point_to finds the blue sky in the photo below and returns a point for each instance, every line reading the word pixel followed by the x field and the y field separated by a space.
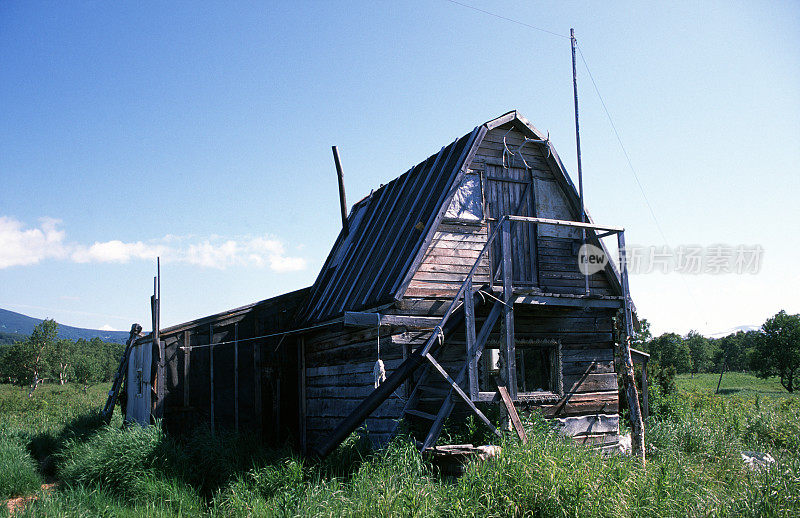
pixel 202 132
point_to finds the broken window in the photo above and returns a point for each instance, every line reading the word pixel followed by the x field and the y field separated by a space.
pixel 538 364
pixel 467 203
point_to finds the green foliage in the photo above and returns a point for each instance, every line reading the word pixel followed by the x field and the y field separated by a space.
pixel 10 338
pixel 42 356
pixel 670 350
pixel 700 352
pixel 777 352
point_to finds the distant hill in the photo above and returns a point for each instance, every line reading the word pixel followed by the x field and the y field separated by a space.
pixel 734 330
pixel 22 325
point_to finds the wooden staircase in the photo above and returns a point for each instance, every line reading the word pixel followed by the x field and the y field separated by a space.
pixel 464 303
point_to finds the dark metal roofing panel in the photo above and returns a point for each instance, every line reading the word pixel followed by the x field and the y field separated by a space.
pixel 364 266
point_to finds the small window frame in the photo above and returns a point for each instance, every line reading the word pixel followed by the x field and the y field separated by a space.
pixel 535 397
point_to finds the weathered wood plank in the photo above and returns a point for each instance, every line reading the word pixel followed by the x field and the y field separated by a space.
pixel 590 355
pixel 590 382
pixel 327 424
pixel 588 367
pixel 349 368
pixel 341 408
pixel 360 319
pixel 512 413
pixel 591 424
pixel 583 403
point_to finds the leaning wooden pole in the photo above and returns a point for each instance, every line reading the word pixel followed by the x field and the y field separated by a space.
pixel 637 427
pixel 573 43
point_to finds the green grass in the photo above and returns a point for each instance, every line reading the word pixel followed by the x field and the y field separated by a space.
pixel 733 383
pixel 18 473
pixel 694 466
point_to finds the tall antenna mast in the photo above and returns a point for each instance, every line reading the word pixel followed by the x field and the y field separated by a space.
pixel 574 42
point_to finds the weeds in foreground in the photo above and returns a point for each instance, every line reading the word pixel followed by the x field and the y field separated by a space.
pixel 694 468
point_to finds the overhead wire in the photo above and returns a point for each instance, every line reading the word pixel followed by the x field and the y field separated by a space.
pixel 500 16
pixel 689 290
pixel 610 120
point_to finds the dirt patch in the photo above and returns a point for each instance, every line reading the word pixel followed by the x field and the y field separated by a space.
pixel 19 503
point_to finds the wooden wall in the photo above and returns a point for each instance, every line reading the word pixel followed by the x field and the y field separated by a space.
pixel 339 375
pixel 267 371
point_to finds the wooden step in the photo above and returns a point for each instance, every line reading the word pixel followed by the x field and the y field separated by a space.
pixel 420 413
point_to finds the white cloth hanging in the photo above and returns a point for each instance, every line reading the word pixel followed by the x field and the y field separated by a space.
pixel 379 373
pixel 379 369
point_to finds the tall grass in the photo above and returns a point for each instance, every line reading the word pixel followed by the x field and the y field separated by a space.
pixel 694 468
pixel 18 474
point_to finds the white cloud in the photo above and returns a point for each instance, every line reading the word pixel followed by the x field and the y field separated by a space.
pixel 213 256
pixel 116 251
pixel 21 246
pixel 286 264
pixel 107 327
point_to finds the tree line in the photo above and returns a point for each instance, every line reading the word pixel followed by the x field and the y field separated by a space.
pixel 773 350
pixel 43 356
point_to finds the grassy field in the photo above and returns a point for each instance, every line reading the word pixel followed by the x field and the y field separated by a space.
pixel 694 466
pixel 733 383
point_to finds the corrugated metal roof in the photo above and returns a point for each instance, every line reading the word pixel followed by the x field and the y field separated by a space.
pixel 387 230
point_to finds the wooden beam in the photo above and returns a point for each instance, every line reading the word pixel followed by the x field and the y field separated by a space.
pixel 257 386
pixel 564 223
pixel 512 413
pixel 387 388
pixel 447 406
pixel 211 372
pixel 578 302
pixel 645 397
pixel 469 323
pixel 461 393
pixel 236 376
pixel 637 427
pixel 301 355
pixel 508 309
pixel 187 352
pixel 363 319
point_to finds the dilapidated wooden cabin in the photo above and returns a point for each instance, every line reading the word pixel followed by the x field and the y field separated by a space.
pixel 461 275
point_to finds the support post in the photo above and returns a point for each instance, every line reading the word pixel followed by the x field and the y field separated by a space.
pixel 155 306
pixel 211 372
pixel 236 376
pixel 469 325
pixel 301 354
pixel 508 310
pixel 187 352
pixel 722 371
pixel 645 392
pixel 257 387
pixel 637 428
